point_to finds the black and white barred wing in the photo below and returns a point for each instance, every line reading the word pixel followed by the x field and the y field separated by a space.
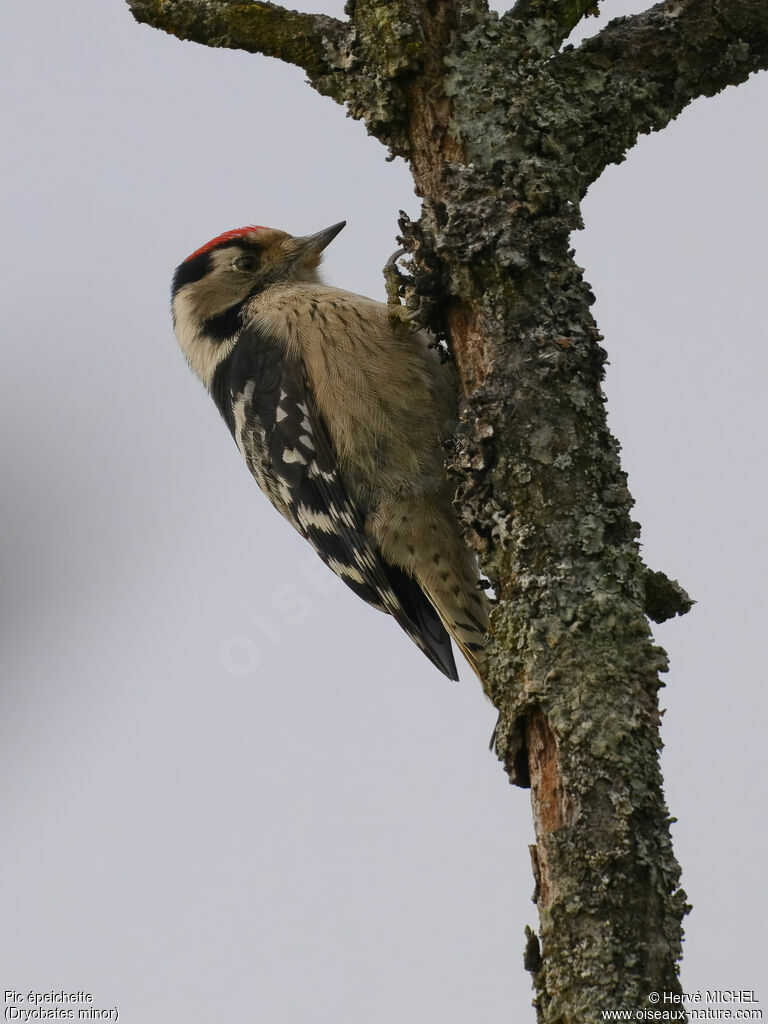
pixel 271 412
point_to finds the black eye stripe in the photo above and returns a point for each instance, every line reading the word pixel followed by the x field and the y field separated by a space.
pixel 191 270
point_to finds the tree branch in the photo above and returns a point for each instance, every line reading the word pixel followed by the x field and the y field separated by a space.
pixel 314 42
pixel 639 73
pixel 364 62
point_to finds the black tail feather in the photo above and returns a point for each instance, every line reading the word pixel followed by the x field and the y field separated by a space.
pixel 424 620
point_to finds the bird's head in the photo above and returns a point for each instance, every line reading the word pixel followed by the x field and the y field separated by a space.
pixel 213 285
pixel 236 265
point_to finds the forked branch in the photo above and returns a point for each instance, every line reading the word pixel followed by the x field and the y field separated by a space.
pixel 557 18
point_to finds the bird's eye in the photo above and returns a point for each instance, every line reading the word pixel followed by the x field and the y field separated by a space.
pixel 243 263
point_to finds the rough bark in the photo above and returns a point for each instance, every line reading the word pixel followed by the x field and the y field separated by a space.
pixel 505 129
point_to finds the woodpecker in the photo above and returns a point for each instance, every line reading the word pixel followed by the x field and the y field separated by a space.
pixel 340 417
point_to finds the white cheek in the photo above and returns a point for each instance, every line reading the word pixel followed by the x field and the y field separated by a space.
pixel 202 356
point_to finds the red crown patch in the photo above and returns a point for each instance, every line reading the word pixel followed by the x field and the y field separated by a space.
pixel 228 236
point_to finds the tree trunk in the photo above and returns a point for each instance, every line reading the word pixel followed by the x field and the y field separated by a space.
pixel 504 129
pixel 571 666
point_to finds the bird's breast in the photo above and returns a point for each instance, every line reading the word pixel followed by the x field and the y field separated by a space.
pixel 385 399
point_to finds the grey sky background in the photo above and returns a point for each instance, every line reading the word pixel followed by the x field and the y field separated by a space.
pixel 231 791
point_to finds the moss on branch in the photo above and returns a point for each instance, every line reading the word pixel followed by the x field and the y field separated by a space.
pixel 664 598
